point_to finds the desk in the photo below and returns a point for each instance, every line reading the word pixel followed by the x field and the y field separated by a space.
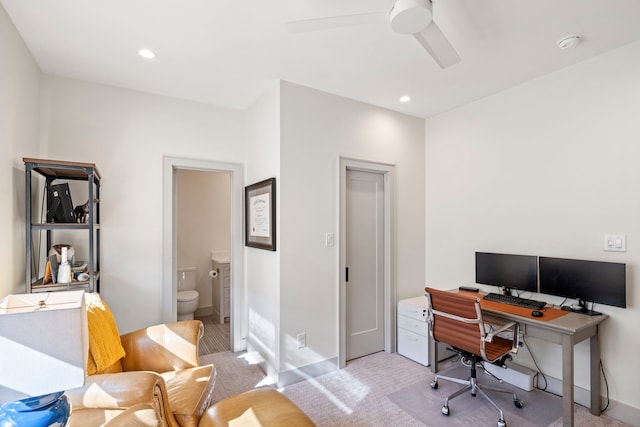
pixel 567 330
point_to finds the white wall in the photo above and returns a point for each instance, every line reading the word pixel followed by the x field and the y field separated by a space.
pixel 19 137
pixel 262 268
pixel 203 224
pixel 318 128
pixel 126 134
pixel 545 168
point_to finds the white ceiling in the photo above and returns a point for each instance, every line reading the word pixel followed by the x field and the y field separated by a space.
pixel 227 52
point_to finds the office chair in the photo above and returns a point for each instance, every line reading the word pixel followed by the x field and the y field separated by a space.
pixel 456 320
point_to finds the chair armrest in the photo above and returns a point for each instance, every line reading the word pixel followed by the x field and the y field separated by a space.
pixel 515 331
pixel 163 348
pixel 123 390
pixel 117 391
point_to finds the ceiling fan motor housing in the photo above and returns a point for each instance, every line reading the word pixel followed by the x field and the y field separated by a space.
pixel 410 16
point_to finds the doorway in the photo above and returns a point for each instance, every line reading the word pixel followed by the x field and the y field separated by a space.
pixel 378 178
pixel 170 261
pixel 203 242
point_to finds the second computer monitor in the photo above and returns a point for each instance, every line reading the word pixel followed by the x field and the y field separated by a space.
pixel 506 270
pixel 592 281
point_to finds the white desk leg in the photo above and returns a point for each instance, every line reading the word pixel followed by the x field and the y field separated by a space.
pixel 595 374
pixel 567 380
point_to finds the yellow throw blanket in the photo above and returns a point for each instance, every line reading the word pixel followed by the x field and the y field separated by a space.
pixel 105 347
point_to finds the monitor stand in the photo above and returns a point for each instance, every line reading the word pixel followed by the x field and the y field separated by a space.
pixel 582 309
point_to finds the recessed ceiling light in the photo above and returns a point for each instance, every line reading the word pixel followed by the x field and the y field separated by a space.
pixel 405 98
pixel 146 53
pixel 568 41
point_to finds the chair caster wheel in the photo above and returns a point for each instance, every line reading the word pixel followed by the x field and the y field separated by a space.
pixel 501 423
pixel 434 385
pixel 518 403
pixel 445 410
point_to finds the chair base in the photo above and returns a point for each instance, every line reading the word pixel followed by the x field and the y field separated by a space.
pixel 472 385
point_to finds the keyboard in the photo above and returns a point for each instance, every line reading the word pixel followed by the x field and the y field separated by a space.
pixel 513 300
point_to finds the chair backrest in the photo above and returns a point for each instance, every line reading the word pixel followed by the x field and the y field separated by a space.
pixel 456 320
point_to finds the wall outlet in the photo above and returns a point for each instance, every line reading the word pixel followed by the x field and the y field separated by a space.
pixel 302 340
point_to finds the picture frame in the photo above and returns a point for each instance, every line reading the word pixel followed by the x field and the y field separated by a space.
pixel 260 214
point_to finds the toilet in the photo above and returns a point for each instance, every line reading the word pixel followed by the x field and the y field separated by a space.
pixel 187 294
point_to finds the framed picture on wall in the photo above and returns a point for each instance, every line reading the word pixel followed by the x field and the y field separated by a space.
pixel 260 214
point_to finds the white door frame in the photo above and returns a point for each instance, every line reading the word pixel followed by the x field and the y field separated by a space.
pixel 387 171
pixel 169 236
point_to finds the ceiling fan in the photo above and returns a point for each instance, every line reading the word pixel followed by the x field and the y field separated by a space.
pixel 405 16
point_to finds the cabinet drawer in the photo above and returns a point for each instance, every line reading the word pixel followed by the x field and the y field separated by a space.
pixel 412 310
pixel 413 346
pixel 420 327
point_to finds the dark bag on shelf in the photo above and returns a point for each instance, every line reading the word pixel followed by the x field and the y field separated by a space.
pixel 59 204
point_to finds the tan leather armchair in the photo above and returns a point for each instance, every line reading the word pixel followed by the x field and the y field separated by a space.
pixel 160 370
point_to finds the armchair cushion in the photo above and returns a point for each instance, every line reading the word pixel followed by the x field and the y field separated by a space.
pixel 264 407
pixel 140 415
pixel 162 348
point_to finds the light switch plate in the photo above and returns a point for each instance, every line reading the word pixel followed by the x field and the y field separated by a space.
pixel 615 242
pixel 329 240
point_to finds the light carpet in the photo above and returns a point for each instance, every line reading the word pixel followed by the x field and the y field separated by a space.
pixel 424 403
pixel 360 395
pixel 236 373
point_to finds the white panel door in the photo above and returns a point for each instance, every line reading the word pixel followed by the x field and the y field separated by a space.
pixel 365 263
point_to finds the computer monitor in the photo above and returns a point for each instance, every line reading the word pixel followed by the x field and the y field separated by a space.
pixel 587 281
pixel 519 272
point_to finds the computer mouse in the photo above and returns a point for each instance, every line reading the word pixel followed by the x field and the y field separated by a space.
pixel 536 313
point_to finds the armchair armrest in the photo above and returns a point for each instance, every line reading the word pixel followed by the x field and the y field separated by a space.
pixel 121 391
pixel 163 348
pixel 118 391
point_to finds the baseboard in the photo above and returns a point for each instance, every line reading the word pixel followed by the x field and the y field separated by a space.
pixel 309 371
pixel 292 376
pixel 618 410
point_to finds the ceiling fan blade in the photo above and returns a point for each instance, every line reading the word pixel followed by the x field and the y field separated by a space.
pixel 434 41
pixel 317 24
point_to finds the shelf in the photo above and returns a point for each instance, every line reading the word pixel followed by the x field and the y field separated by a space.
pixel 63 226
pixel 38 286
pixel 62 169
pixel 53 170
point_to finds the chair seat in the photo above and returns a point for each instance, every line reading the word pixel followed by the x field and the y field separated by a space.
pixel 497 348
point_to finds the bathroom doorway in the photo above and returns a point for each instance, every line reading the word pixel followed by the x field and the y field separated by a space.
pixel 192 199
pixel 203 239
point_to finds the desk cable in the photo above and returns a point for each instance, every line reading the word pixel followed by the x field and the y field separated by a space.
pixel 606 382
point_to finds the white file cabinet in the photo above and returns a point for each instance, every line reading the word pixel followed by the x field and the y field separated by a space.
pixel 413 331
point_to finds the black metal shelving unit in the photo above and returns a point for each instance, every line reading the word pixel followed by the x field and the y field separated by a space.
pixel 53 170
